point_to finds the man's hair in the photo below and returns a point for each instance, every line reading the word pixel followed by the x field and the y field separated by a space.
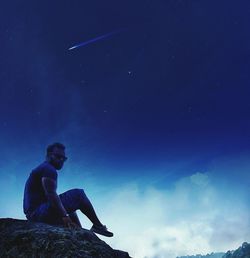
pixel 51 147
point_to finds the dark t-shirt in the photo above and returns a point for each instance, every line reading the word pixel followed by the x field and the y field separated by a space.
pixel 34 194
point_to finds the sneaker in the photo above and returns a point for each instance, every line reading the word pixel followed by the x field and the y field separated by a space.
pixel 101 230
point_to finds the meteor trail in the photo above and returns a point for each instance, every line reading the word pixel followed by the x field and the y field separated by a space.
pixel 95 39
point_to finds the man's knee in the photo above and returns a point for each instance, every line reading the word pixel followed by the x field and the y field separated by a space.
pixel 73 199
pixel 79 192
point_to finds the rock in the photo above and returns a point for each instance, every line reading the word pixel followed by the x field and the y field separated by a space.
pixel 241 252
pixel 22 238
pixel 212 255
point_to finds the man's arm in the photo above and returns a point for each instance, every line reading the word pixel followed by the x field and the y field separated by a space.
pixel 49 186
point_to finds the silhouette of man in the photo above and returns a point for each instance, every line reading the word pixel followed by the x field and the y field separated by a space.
pixel 41 203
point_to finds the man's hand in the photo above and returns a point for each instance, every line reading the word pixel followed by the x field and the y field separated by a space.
pixel 69 223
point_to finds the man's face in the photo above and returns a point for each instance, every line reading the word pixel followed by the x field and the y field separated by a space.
pixel 57 158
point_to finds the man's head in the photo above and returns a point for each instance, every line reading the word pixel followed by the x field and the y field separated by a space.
pixel 56 155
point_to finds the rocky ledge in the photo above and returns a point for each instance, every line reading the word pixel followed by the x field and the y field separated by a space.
pixel 21 238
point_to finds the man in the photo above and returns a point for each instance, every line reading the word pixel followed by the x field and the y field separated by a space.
pixel 41 202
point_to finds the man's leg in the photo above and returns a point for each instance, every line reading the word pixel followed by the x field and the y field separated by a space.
pixel 75 199
pixel 72 200
pixel 75 219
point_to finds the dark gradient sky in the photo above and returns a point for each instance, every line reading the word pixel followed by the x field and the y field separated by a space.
pixel 166 97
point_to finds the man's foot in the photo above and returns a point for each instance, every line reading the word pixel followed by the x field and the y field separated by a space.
pixel 101 230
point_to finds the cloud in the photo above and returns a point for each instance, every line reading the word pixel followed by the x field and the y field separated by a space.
pixel 191 218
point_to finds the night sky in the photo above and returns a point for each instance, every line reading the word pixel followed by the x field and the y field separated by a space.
pixel 155 117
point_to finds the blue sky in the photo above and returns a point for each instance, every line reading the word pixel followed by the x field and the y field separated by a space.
pixel 155 118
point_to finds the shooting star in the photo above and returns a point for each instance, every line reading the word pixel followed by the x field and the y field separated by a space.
pixel 95 39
